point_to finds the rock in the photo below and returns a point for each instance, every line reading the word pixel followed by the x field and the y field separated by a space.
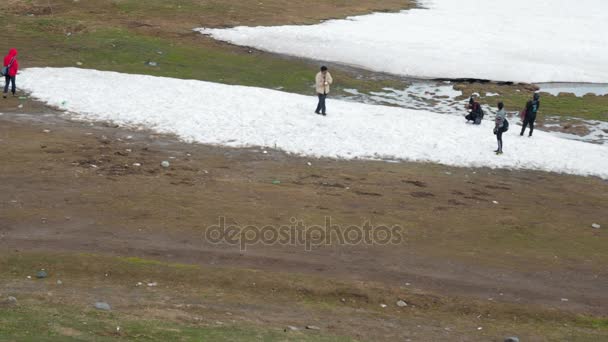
pixel 401 304
pixel 165 164
pixel 151 63
pixel 291 328
pixel 79 63
pixel 276 182
pixel 383 305
pixel 10 301
pixel 41 274
pixel 46 131
pixel 136 164
pixel 102 306
pixel 154 284
pixel 312 327
pixel 596 226
pixel 59 282
pixel 512 339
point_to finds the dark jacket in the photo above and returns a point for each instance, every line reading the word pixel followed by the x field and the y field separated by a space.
pixel 12 56
pixel 532 108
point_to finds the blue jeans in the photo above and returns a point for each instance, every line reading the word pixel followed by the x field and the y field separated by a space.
pixel 321 105
pixel 9 80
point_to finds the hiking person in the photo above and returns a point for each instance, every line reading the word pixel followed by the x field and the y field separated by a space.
pixel 530 114
pixel 322 83
pixel 10 69
pixel 476 113
pixel 501 125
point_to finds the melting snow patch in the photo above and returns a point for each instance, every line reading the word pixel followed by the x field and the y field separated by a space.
pixel 455 39
pixel 241 117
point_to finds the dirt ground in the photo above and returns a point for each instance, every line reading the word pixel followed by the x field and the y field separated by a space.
pixel 510 236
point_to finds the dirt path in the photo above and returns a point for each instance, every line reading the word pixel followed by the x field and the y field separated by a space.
pixel 74 188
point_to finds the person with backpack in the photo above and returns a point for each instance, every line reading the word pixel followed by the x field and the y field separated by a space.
pixel 9 71
pixel 476 114
pixel 501 125
pixel 323 81
pixel 530 114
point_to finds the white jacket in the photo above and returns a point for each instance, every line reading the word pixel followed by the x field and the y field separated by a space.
pixel 323 82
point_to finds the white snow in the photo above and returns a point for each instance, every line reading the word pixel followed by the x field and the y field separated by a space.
pixel 503 40
pixel 243 116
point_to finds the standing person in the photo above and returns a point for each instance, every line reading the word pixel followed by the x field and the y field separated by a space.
pixel 530 116
pixel 10 61
pixel 322 82
pixel 501 126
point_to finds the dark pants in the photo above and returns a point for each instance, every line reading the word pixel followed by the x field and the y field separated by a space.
pixel 9 80
pixel 499 133
pixel 528 120
pixel 321 105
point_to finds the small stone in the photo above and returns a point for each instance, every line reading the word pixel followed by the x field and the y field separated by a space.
pixel 9 301
pixel 20 106
pixel 309 164
pixel 276 182
pixel 154 284
pixel 151 63
pixel 265 152
pixel 102 306
pixel 291 328
pixel 565 299
pixel 137 164
pixel 79 63
pixel 495 202
pixel 312 327
pixel 165 164
pixel 29 277
pixel 401 304
pixel 41 274
pixel 479 328
pixel 46 131
pixel 383 305
pixel 139 283
pixel 512 339
pixel 59 282
pixel 596 226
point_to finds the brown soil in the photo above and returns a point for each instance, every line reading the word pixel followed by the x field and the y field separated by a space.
pixel 74 188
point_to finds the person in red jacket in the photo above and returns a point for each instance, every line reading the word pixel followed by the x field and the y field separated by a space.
pixel 11 62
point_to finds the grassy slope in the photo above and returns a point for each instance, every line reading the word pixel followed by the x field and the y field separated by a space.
pixel 124 35
pixel 515 97
pixel 63 310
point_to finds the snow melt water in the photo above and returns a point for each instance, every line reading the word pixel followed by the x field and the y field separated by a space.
pixel 503 40
pixel 244 116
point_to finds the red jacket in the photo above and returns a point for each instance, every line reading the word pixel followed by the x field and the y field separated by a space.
pixel 12 71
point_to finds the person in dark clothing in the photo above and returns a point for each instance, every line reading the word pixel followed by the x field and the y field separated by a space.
pixel 12 65
pixel 476 111
pixel 501 126
pixel 530 117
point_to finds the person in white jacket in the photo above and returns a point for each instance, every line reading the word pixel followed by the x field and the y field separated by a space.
pixel 322 83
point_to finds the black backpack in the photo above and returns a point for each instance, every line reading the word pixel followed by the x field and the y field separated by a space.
pixel 505 125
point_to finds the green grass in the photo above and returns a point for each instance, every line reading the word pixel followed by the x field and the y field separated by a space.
pixel 62 316
pixel 44 322
pixel 43 42
pixel 566 105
